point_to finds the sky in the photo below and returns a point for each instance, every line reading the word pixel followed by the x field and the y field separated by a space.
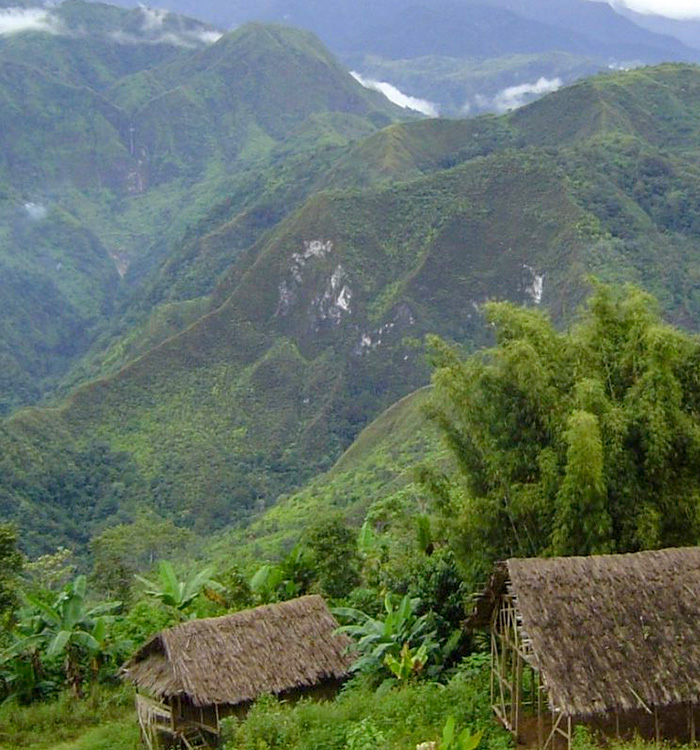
pixel 681 9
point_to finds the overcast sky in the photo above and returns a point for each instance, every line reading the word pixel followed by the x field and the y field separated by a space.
pixel 670 8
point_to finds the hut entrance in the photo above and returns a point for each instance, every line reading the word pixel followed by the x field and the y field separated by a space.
pixel 161 728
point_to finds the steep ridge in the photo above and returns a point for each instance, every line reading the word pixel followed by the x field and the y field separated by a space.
pixel 131 168
pixel 317 324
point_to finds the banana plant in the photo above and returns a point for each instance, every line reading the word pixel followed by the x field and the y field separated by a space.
pixel 376 638
pixel 465 740
pixel 67 627
pixel 409 664
pixel 173 592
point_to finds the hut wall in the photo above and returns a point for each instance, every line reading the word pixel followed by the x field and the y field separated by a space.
pixel 324 691
pixel 185 713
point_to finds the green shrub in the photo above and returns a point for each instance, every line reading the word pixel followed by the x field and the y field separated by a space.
pixel 402 717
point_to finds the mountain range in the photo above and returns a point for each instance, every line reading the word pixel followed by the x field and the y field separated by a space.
pixel 469 56
pixel 291 247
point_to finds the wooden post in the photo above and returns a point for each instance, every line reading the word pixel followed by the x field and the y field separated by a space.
pixel 691 723
pixel 617 724
pixel 568 731
pixel 494 661
pixel 656 725
pixel 540 727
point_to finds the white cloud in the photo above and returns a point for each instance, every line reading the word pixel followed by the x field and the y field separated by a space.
pixel 153 18
pixel 16 20
pixel 397 97
pixel 207 37
pixel 516 96
pixel 35 211
pixel 155 29
pixel 679 9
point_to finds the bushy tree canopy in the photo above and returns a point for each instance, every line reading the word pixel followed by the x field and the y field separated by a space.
pixel 575 442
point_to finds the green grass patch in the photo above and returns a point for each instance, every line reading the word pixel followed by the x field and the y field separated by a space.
pixel 103 722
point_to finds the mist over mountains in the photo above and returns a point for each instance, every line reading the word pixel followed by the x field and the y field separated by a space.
pixel 462 56
pixel 120 129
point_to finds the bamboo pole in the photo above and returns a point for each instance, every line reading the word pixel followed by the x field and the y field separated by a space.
pixel 657 733
pixel 540 723
pixel 691 722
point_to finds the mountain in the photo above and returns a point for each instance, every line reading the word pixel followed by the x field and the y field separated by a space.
pixel 120 129
pixel 685 30
pixel 426 48
pixel 314 325
pixel 378 469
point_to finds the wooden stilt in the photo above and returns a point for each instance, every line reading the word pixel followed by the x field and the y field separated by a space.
pixel 617 724
pixel 657 733
pixel 540 724
pixel 691 722
pixel 569 738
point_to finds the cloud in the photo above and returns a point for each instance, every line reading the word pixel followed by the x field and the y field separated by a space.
pixel 678 9
pixel 153 18
pixel 515 96
pixel 16 20
pixel 35 211
pixel 189 39
pixel 162 27
pixel 397 97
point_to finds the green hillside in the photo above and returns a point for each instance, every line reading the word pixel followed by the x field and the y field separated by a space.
pixel 378 469
pixel 314 328
pixel 127 127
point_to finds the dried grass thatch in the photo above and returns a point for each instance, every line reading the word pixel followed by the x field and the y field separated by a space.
pixel 234 659
pixel 609 632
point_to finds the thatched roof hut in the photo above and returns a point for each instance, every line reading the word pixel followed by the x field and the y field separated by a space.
pixel 608 633
pixel 236 658
pixel 202 669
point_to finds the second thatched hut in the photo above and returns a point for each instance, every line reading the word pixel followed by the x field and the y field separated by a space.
pixel 612 641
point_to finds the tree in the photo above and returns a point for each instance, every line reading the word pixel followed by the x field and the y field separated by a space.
pixel 289 578
pixel 123 550
pixel 571 442
pixel 11 561
pixel 333 547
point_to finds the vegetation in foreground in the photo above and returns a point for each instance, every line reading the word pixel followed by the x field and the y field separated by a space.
pixel 581 441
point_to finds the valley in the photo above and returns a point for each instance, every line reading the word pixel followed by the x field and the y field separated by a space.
pixel 266 333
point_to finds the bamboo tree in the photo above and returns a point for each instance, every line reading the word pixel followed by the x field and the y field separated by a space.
pixel 580 441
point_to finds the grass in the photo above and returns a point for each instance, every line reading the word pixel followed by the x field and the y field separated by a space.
pixel 104 722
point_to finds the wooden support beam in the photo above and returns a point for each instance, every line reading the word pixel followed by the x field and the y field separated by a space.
pixel 657 733
pixel 540 722
pixel 691 711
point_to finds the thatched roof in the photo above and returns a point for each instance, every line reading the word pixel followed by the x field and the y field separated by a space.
pixel 609 632
pixel 235 658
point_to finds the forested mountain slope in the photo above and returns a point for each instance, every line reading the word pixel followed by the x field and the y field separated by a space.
pixel 120 130
pixel 314 328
